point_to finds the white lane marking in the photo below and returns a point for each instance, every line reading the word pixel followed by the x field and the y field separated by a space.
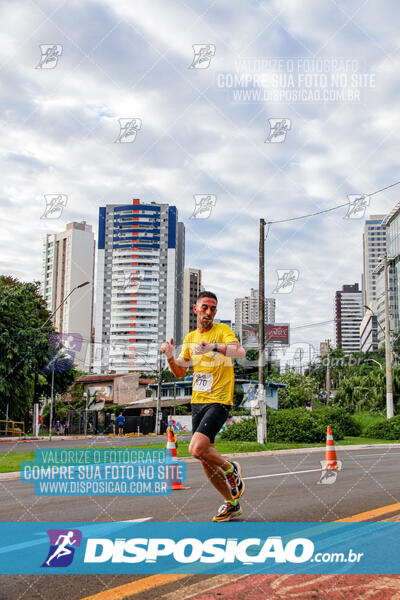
pixel 279 474
pixel 367 455
pixel 136 520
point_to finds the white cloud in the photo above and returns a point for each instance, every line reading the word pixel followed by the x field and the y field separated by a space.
pixel 121 59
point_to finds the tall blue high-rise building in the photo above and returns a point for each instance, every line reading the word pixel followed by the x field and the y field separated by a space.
pixel 139 299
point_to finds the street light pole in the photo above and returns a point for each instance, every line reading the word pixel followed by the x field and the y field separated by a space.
pixel 53 365
pixel 86 415
pixel 158 410
pixel 51 402
pixel 388 350
pixel 65 299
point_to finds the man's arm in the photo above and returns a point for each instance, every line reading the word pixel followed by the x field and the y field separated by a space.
pixel 178 365
pixel 232 350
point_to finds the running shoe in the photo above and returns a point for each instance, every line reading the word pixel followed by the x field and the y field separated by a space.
pixel 235 480
pixel 227 511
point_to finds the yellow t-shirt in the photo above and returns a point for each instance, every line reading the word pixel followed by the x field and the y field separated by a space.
pixel 213 376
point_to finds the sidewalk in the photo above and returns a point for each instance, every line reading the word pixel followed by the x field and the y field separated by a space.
pixel 99 436
pixel 46 438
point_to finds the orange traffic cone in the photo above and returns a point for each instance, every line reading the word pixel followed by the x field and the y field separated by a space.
pixel 171 451
pixel 331 462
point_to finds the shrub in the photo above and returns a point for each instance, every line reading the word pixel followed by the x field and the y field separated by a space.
pixel 245 431
pixel 340 420
pixel 294 425
pixel 287 425
pixel 385 430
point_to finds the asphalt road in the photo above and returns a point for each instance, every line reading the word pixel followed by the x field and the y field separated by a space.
pixel 279 488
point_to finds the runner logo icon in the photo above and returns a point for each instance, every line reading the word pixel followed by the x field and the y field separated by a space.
pixel 62 547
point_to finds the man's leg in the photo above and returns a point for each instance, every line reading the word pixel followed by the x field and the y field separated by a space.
pixel 201 448
pixel 217 478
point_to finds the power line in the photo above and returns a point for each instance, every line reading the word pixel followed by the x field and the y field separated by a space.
pixel 320 212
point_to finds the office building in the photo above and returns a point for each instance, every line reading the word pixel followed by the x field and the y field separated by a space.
pixel 391 223
pixel 246 310
pixel 374 247
pixel 139 298
pixel 369 332
pixel 348 315
pixel 68 261
pixel 191 289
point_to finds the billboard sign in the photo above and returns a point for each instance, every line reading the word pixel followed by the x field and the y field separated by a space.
pixel 276 333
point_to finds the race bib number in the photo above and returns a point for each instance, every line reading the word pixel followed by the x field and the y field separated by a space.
pixel 202 382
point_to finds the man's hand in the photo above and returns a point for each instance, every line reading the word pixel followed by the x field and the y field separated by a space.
pixel 168 348
pixel 203 348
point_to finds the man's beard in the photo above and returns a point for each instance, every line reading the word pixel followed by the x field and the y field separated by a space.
pixel 207 324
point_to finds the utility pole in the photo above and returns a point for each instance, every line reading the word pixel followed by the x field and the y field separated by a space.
pixel 51 401
pixel 158 410
pixel 328 373
pixel 259 411
pixel 301 352
pixel 388 350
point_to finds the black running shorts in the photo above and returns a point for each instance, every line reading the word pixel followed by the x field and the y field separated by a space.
pixel 209 418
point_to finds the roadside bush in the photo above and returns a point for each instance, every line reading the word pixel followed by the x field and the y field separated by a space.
pixel 294 425
pixel 244 431
pixel 385 430
pixel 340 420
pixel 287 425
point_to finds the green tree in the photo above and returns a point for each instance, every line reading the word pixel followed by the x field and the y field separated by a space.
pixel 24 345
pixel 24 348
pixel 300 391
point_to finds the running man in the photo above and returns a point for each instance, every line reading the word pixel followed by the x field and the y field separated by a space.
pixel 62 542
pixel 211 347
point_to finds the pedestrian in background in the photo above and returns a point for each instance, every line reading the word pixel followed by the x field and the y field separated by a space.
pixel 121 422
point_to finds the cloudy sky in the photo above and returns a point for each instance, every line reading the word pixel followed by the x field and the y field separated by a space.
pixel 201 134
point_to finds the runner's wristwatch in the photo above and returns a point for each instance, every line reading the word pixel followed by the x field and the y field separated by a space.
pixel 215 349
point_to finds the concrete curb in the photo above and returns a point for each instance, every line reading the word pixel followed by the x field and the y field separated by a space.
pixel 298 451
pixel 42 438
pixel 16 474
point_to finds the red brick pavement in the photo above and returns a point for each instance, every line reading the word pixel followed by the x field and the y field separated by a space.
pixel 308 587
